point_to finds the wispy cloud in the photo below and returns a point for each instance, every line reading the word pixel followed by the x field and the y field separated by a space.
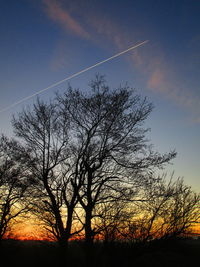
pixel 152 63
pixel 162 81
pixel 60 15
pixel 161 77
pixel 156 79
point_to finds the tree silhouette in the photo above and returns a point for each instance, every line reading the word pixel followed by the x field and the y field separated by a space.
pixel 110 152
pixel 170 209
pixel 13 186
pixel 45 138
pixel 88 165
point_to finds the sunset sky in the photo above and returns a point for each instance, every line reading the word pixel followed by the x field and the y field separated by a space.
pixel 44 41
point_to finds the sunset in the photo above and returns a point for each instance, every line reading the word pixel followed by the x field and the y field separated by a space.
pixel 100 127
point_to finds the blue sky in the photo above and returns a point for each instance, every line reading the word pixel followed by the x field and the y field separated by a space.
pixel 44 41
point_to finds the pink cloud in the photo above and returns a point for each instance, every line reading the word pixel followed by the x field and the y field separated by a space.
pixel 60 15
pixel 108 32
pixel 162 82
pixel 151 63
pixel 156 80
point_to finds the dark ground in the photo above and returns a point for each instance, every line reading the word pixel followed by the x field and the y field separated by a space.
pixel 179 253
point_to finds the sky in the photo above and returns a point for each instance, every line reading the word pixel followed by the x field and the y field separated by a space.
pixel 45 41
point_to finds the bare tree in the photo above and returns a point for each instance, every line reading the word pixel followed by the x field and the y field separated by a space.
pixel 13 187
pixel 170 209
pixel 111 222
pixel 86 150
pixel 184 211
pixel 44 134
pixel 110 151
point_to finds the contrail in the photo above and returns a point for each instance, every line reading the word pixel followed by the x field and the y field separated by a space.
pixel 72 76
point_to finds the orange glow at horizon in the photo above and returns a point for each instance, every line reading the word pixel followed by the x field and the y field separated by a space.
pixel 26 231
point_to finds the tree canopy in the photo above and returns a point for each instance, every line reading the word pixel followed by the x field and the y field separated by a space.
pixel 89 167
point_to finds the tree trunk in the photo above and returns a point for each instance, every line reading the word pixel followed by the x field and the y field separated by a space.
pixel 89 237
pixel 56 213
pixel 88 228
pixel 69 223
